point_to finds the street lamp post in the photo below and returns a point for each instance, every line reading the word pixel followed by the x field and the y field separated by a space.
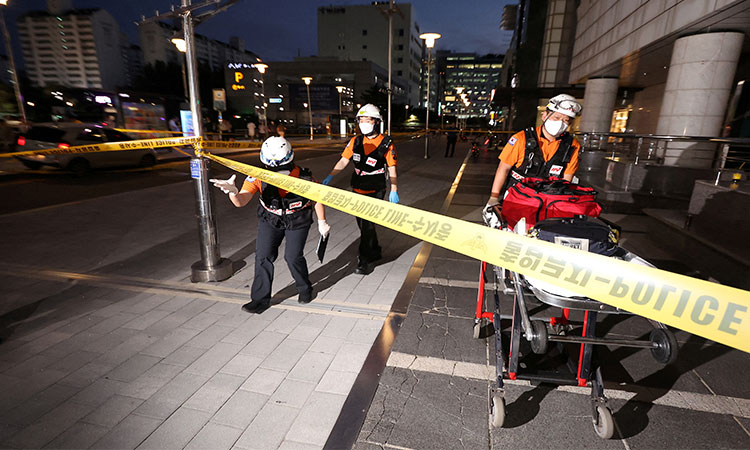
pixel 179 42
pixel 342 121
pixel 307 81
pixel 211 267
pixel 262 69
pixel 12 63
pixel 429 42
pixel 340 89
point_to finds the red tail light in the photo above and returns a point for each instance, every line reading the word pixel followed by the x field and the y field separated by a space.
pixel 21 141
pixel 63 145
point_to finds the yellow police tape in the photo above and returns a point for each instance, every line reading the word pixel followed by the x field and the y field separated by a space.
pixel 711 310
pixel 111 146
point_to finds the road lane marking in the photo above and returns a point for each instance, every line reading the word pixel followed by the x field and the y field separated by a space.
pixel 716 404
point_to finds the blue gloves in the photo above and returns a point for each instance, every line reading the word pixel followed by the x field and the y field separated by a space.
pixel 327 180
pixel 393 197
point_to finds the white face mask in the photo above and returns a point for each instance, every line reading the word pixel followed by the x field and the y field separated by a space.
pixel 555 127
pixel 366 128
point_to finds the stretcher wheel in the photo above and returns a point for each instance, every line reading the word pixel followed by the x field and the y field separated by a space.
pixel 497 410
pixel 664 350
pixel 540 338
pixel 604 423
pixel 477 329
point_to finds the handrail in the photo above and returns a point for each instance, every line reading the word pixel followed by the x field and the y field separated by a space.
pixel 718 152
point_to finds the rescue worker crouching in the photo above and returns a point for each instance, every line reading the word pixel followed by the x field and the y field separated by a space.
pixel 542 152
pixel 281 215
pixel 374 156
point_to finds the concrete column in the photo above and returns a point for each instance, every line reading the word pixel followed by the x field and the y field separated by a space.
pixel 599 102
pixel 696 94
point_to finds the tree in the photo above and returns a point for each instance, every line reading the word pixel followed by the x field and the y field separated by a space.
pixel 162 78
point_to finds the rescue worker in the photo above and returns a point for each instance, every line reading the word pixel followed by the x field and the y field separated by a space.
pixel 281 214
pixel 374 155
pixel 543 152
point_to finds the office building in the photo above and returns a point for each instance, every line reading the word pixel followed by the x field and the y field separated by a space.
pixel 285 92
pixel 674 69
pixel 466 83
pixel 360 33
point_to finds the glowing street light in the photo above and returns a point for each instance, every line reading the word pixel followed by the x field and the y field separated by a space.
pixel 180 44
pixel 307 81
pixel 262 69
pixel 429 42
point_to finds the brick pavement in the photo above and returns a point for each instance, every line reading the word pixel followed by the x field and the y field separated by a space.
pixel 106 344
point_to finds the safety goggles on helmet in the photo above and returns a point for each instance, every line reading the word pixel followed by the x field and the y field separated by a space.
pixel 276 151
pixel 564 104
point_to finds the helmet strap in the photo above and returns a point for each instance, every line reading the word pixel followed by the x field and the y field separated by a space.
pixel 288 166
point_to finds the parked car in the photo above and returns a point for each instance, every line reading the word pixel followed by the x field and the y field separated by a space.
pixel 64 135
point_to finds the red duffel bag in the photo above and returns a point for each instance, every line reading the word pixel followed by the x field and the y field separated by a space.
pixel 537 199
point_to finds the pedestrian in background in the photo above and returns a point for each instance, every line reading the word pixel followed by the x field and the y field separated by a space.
pixel 373 155
pixel 281 214
pixel 251 130
pixel 174 124
pixel 281 130
pixel 450 145
pixel 262 130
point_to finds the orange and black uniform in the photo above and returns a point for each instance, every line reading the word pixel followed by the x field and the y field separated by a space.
pixel 371 158
pixel 281 215
pixel 539 157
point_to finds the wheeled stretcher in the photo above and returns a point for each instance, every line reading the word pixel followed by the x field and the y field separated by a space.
pixel 546 335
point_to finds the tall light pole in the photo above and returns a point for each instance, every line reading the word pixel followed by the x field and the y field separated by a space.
pixel 12 63
pixel 307 81
pixel 429 42
pixel 179 42
pixel 262 69
pixel 340 89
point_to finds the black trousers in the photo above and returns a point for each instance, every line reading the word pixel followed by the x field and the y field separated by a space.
pixel 369 248
pixel 450 146
pixel 267 250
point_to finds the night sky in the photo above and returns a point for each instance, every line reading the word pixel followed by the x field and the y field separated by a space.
pixel 280 30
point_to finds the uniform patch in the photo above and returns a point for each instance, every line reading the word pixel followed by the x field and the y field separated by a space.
pixel 512 141
pixel 250 179
pixel 355 157
pixel 371 162
pixel 555 170
pixel 295 204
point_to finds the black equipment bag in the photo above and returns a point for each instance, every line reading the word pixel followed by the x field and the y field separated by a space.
pixel 580 232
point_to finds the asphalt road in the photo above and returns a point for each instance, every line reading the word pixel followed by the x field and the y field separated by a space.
pixel 23 189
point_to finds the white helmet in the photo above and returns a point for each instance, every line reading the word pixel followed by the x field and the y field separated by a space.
pixel 369 110
pixel 276 151
pixel 564 104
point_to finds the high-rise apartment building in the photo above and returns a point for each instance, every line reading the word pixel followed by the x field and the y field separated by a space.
pixel 360 33
pixel 156 42
pixel 72 47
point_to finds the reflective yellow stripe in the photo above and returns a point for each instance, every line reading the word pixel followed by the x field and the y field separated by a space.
pixel 110 146
pixel 711 310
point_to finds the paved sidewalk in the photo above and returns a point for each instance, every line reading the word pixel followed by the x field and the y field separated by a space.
pixel 106 343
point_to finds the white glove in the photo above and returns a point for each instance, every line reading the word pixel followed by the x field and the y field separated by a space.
pixel 489 216
pixel 227 186
pixel 323 228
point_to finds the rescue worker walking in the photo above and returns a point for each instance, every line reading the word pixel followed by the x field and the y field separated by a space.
pixel 281 214
pixel 543 152
pixel 373 155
